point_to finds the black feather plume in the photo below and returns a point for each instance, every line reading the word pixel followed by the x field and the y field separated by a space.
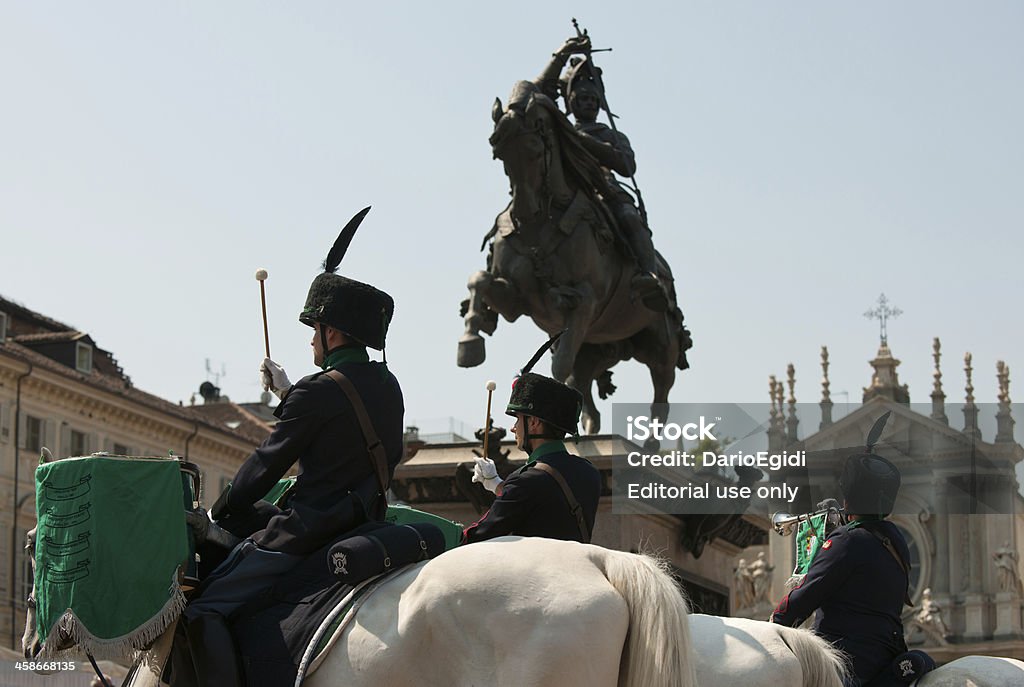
pixel 876 430
pixel 540 351
pixel 340 246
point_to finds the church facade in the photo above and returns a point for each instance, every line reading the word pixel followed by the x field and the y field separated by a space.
pixel 960 505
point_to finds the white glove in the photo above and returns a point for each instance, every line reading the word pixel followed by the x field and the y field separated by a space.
pixel 486 474
pixel 273 378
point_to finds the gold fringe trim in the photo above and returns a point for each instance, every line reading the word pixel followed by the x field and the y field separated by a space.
pixel 127 647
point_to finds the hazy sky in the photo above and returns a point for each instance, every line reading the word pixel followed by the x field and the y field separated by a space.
pixel 797 160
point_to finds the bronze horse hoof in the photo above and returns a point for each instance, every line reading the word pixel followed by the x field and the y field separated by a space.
pixel 471 351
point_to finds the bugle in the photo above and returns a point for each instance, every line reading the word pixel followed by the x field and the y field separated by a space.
pixel 786 524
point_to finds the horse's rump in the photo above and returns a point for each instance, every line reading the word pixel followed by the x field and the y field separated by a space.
pixel 517 611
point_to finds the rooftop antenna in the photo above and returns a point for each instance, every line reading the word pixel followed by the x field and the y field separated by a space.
pixel 215 376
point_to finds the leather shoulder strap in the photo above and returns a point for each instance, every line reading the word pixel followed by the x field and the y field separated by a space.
pixel 574 506
pixel 899 559
pixel 374 448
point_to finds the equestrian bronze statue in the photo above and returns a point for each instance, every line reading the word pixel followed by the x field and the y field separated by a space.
pixel 573 250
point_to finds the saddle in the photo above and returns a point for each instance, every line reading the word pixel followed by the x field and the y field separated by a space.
pixel 274 632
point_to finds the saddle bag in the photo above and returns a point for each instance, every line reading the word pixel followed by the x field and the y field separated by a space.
pixel 380 547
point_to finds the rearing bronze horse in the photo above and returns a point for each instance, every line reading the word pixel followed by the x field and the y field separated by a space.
pixel 555 256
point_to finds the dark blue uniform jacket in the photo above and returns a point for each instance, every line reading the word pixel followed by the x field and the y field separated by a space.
pixel 533 505
pixel 318 428
pixel 857 588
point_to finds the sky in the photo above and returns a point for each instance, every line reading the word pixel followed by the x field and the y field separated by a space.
pixel 797 159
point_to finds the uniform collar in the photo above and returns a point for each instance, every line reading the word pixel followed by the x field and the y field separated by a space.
pixel 547 448
pixel 345 354
pixel 865 520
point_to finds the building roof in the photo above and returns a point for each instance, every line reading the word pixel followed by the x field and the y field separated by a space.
pixel 32 336
pixel 30 319
pixel 49 337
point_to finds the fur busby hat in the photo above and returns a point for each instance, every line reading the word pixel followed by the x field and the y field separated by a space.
pixel 361 311
pixel 544 398
pixel 870 483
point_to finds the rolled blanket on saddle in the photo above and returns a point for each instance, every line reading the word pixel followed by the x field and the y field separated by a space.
pixel 377 548
pixel 110 539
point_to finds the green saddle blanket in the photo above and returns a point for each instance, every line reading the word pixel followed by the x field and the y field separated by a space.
pixel 110 538
pixel 396 514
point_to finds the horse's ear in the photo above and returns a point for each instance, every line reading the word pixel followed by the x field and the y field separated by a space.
pixel 497 110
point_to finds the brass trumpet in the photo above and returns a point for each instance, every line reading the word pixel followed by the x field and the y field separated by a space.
pixel 786 524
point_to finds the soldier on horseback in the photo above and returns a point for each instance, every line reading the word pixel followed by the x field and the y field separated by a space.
pixel 859 581
pixel 583 91
pixel 323 424
pixel 555 494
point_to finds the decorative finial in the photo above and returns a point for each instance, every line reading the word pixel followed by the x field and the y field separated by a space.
pixel 791 381
pixel 771 394
pixel 970 409
pixel 938 397
pixel 1004 416
pixel 792 422
pixel 1003 376
pixel 882 313
pixel 969 370
pixel 779 398
pixel 825 397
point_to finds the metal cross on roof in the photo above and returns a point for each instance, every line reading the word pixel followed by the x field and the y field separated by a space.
pixel 882 313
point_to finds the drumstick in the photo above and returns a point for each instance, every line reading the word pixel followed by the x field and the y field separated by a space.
pixel 261 276
pixel 491 386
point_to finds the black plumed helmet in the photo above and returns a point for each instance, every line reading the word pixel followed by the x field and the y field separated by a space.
pixel 544 398
pixel 870 483
pixel 361 311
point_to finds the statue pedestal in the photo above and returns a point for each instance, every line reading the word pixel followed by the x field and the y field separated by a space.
pixel 1008 614
pixel 975 612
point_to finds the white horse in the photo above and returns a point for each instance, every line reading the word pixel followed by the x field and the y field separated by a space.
pixel 515 611
pixel 754 653
pixel 510 612
pixel 976 671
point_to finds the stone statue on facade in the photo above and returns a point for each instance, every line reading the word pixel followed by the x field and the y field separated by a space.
pixel 1007 569
pixel 928 619
pixel 744 585
pixel 761 578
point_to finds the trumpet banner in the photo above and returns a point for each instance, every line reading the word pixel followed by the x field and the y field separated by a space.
pixel 810 535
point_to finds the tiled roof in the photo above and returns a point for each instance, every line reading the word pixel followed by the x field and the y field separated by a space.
pixel 15 309
pixel 122 388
